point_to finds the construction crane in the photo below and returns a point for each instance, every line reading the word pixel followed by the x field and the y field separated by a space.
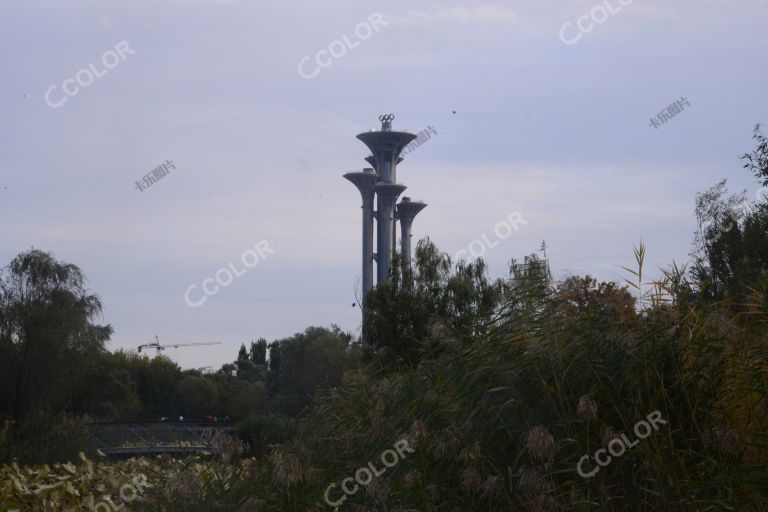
pixel 157 346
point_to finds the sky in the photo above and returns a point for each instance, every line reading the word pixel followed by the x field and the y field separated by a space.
pixel 540 108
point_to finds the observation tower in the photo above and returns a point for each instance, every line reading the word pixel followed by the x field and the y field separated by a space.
pixel 378 185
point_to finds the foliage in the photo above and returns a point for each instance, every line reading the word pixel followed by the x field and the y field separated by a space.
pixel 316 358
pixel 501 423
pixel 56 375
pixel 140 484
pixel 260 431
pixel 502 387
pixel 731 246
pixel 40 438
pixel 406 310
pixel 757 161
pixel 46 333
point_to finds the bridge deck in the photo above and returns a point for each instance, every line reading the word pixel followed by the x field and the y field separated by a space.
pixel 156 437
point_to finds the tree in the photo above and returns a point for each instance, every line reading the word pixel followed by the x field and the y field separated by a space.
pixel 757 161
pixel 401 315
pixel 604 300
pixel 247 367
pixel 242 354
pixel 197 395
pixel 454 303
pixel 227 370
pixel 156 381
pixel 317 357
pixel 731 245
pixel 273 369
pixel 107 390
pixel 258 353
pixel 46 332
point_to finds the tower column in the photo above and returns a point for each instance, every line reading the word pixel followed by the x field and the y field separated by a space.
pixel 365 182
pixel 387 194
pixel 385 146
pixel 407 211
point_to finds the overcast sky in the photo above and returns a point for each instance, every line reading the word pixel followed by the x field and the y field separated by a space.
pixel 553 101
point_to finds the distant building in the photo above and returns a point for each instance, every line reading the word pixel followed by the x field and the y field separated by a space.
pixel 207 370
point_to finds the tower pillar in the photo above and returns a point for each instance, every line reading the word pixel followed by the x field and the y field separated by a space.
pixel 406 212
pixel 365 182
pixel 387 194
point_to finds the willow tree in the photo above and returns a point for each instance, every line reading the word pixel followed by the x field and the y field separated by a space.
pixel 47 333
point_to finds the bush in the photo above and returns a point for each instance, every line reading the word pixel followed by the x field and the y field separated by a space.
pixel 40 439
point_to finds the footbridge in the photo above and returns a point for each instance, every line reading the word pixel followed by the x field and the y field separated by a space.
pixel 157 437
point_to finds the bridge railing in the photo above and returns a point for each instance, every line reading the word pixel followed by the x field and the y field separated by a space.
pixel 156 436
